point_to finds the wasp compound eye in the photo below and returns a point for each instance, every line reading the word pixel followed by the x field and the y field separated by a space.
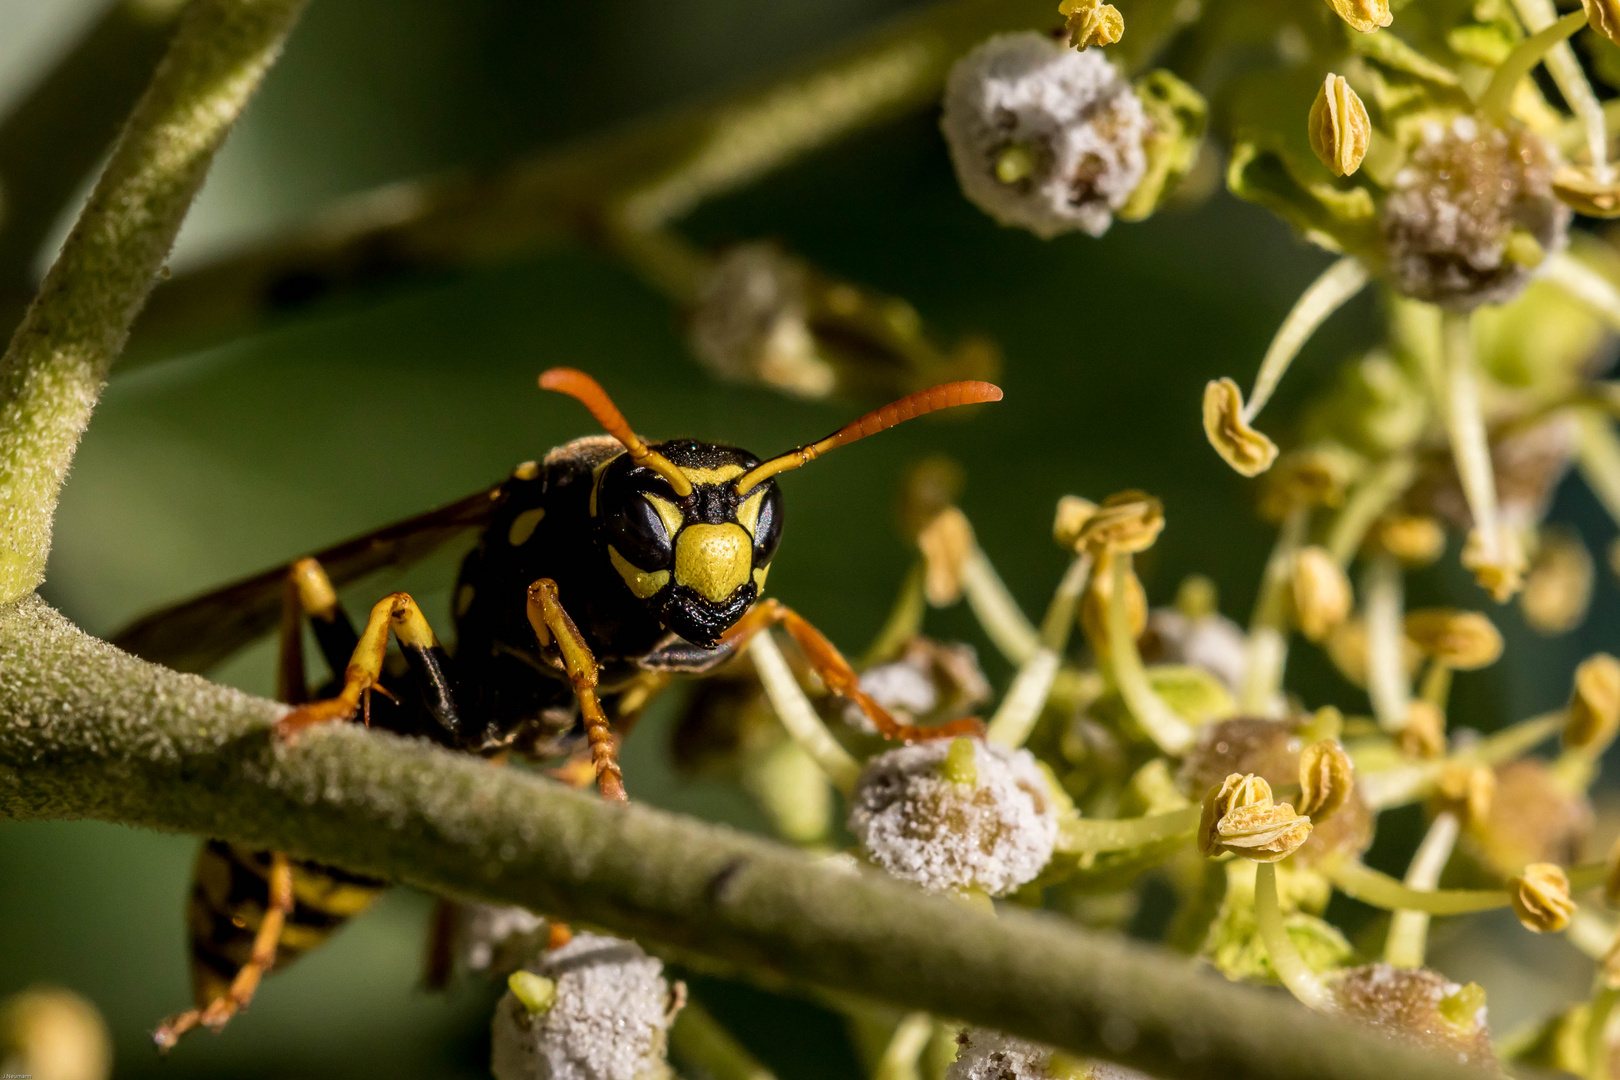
pixel 767 528
pixel 635 527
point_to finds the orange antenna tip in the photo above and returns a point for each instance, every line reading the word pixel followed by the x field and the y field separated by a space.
pixel 589 393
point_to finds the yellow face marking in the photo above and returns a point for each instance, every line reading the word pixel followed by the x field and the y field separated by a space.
pixel 643 583
pixel 714 560
pixel 523 526
pixel 759 577
pixel 668 511
pixel 712 476
pixel 464 599
pixel 748 512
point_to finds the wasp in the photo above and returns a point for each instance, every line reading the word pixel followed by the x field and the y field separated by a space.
pixel 600 573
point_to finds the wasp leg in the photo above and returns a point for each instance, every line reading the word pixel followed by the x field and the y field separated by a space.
pixel 307 591
pixel 836 672
pixel 552 625
pixel 219 1011
pixel 398 613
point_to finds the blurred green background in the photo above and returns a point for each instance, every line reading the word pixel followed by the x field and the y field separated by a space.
pixel 210 465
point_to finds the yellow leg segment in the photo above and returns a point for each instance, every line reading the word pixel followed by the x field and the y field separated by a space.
pixel 396 612
pixel 219 1011
pixel 553 627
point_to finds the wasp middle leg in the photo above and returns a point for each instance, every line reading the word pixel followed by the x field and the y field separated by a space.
pixel 553 626
pixel 836 672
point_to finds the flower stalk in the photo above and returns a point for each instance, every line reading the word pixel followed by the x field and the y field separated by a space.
pixel 1409 928
pixel 799 717
pixel 1285 959
pixel 1169 732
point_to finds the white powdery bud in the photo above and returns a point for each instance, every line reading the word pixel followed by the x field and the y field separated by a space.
pixel 1212 642
pixel 1044 137
pixel 751 322
pixel 993 834
pixel 1471 214
pixel 609 1019
pixel 497 937
pixel 929 681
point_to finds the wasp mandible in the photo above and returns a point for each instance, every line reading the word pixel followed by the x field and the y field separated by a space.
pixel 600 572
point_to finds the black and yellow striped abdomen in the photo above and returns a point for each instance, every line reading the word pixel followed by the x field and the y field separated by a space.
pixel 230 891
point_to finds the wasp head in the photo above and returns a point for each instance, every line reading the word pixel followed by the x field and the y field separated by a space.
pixel 698 561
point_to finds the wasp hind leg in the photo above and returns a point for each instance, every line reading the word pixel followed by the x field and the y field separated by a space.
pixel 553 627
pixel 836 672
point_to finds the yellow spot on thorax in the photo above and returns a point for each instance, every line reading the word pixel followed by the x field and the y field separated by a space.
pixel 523 526
pixel 713 560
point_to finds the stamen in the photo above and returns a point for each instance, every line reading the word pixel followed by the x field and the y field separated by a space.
pixel 905 1046
pixel 1497 100
pixel 799 717
pixel 1409 928
pixel 1015 719
pixel 1370 498
pixel 1265 654
pixel 1382 601
pixel 1495 568
pixel 904 622
pixel 1362 882
pixel 1585 285
pixel 1169 732
pixel 1078 835
pixel 993 605
pixel 1327 294
pixel 1285 959
pixel 1597 452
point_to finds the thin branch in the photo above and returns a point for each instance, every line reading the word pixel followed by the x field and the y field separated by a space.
pixel 90 732
pixel 52 372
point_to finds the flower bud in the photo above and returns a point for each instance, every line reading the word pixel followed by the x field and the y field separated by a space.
pixel 945 543
pixel 1414 539
pixel 1594 708
pixel 1129 521
pixel 1363 15
pixel 1558 589
pixel 1604 17
pixel 1244 448
pixel 1240 817
pixel 1541 899
pixel 1326 777
pixel 1469 791
pixel 1534 818
pixel 1419 1006
pixel 1321 593
pixel 1424 733
pixel 1338 126
pixel 1464 640
pixel 1091 22
pixel 1072 514
pixel 751 322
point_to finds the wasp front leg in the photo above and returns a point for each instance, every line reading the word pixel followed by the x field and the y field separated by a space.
pixel 219 1011
pixel 553 627
pixel 396 613
pixel 829 664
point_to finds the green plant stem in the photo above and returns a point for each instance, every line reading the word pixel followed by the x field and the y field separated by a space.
pixel 1409 927
pixel 1336 286
pixel 1021 706
pixel 1465 424
pixel 904 622
pixel 1409 783
pixel 1362 882
pixel 798 716
pixel 1497 100
pixel 910 1039
pixel 1169 732
pixel 1597 1042
pixel 1370 498
pixel 1382 603
pixel 90 732
pixel 1078 834
pixel 1285 959
pixel 52 372
pixel 1265 651
pixel 1003 620
pixel 699 1041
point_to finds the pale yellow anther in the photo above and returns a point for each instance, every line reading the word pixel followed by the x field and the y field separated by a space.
pixel 537 993
pixel 1363 15
pixel 1467 790
pixel 1244 448
pixel 1338 126
pixel 1604 17
pixel 945 543
pixel 1315 477
pixel 1325 779
pixel 1558 589
pixel 1594 707
pixel 1070 521
pixel 1091 22
pixel 1541 898
pixel 1424 733
pixel 1464 640
pixel 961 764
pixel 1414 539
pixel 1240 817
pixel 1578 188
pixel 1321 592
pixel 1499 572
pixel 1129 521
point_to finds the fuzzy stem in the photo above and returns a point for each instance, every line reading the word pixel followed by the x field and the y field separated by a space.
pixel 1585 285
pixel 1497 100
pixel 799 717
pixel 1370 498
pixel 90 732
pixel 1465 423
pixel 1059 619
pixel 699 1040
pixel 1382 601
pixel 904 622
pixel 1362 882
pixel 1409 927
pixel 1265 653
pixel 1078 835
pixel 1169 732
pixel 910 1039
pixel 1003 620
pixel 1327 294
pixel 1285 959
pixel 52 372
pixel 1021 707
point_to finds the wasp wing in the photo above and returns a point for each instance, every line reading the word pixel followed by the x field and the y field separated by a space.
pixel 196 634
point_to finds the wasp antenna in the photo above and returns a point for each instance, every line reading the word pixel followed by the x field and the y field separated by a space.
pixel 944 396
pixel 589 393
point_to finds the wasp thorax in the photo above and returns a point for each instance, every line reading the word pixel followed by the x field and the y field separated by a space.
pixel 596 1007
pixel 982 822
pixel 1471 214
pixel 1042 137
